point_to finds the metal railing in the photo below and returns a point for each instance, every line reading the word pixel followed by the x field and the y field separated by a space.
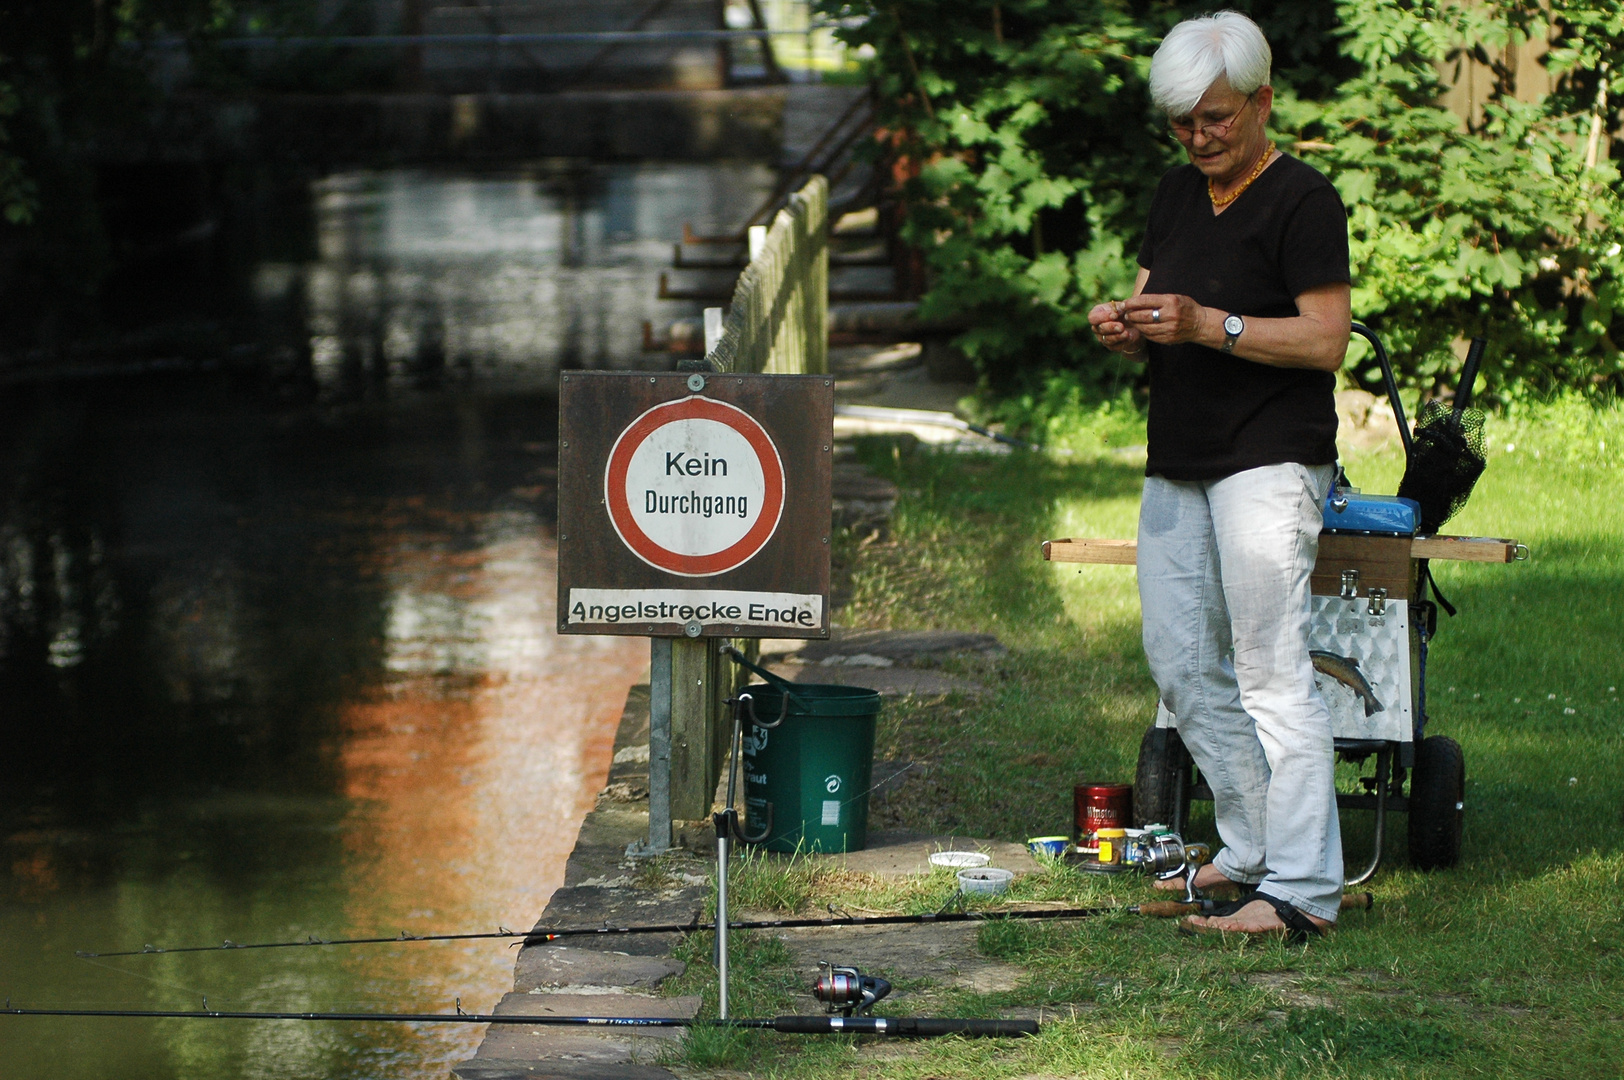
pixel 776 325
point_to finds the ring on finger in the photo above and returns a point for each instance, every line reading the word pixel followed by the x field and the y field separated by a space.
pixel 1156 315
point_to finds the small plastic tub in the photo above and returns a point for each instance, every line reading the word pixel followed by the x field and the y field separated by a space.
pixel 959 860
pixel 1048 847
pixel 984 881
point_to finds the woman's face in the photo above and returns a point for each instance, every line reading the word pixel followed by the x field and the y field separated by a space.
pixel 1225 132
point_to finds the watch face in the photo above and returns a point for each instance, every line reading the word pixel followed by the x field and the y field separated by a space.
pixel 1234 325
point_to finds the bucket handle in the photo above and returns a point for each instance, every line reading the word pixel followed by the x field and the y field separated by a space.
pixel 748 703
pixel 782 685
pixel 754 838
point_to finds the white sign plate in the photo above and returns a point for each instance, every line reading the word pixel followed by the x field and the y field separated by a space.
pixel 708 607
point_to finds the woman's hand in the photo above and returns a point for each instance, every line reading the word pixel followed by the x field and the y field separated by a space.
pixel 1165 318
pixel 1114 333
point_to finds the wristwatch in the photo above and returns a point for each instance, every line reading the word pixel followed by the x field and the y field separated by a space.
pixel 1233 326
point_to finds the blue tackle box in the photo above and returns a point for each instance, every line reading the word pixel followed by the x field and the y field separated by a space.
pixel 1350 511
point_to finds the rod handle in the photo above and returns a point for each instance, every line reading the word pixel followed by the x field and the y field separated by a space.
pixel 927 1027
pixel 1468 378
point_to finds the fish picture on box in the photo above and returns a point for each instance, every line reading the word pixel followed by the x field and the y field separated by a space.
pixel 1345 670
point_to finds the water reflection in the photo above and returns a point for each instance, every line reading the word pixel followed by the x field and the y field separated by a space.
pixel 267 675
pixel 423 278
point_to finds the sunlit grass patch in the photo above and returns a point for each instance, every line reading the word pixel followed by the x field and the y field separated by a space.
pixel 1509 964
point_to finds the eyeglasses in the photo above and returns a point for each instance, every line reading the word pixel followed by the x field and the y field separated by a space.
pixel 1185 132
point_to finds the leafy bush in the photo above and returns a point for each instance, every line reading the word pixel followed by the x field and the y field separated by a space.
pixel 1031 151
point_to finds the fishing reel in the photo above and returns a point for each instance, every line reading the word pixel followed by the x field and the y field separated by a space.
pixel 1166 855
pixel 846 990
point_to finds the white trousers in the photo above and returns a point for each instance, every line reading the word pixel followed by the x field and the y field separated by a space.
pixel 1224 571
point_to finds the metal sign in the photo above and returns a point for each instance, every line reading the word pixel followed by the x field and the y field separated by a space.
pixel 694 505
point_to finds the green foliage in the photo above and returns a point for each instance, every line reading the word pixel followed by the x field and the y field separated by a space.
pixel 1032 150
pixel 1498 228
pixel 18 195
pixel 1030 146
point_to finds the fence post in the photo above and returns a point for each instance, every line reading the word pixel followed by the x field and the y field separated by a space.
pixel 659 745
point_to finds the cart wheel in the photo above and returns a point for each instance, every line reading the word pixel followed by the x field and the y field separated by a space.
pixel 1161 783
pixel 1437 788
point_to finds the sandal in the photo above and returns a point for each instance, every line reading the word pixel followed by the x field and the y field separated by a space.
pixel 1298 929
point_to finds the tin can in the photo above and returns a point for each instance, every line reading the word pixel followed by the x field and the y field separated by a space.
pixel 1100 806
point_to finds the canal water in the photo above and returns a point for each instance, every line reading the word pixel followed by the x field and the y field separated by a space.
pixel 274 670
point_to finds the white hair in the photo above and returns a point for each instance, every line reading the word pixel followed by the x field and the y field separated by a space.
pixel 1196 52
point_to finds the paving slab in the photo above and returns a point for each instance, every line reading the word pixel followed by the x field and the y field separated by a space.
pixel 613 1046
pixel 600 848
pixel 552 966
pixel 902 646
pixel 942 955
pixel 587 905
pixel 889 681
pixel 903 854
pixel 495 1069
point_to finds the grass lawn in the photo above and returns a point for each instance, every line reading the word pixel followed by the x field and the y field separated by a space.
pixel 1511 964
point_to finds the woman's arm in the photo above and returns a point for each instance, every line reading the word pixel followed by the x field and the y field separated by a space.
pixel 1316 338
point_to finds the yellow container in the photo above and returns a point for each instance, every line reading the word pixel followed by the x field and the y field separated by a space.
pixel 1112 843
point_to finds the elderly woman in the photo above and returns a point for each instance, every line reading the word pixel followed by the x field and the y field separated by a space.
pixel 1241 308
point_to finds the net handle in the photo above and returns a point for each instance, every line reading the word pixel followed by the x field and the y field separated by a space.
pixel 1468 379
pixel 1392 386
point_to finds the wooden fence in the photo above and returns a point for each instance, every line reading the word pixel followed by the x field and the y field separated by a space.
pixel 777 324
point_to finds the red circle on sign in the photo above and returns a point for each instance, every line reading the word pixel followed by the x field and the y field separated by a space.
pixel 676 562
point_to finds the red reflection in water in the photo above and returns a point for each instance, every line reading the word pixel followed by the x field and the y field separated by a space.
pixel 474 761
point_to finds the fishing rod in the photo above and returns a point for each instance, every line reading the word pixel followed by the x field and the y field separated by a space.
pixel 907 1027
pixel 542 936
pixel 1353 901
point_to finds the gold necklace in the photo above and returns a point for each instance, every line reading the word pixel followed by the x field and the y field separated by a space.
pixel 1212 192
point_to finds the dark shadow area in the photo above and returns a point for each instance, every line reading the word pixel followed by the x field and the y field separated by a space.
pixel 189 580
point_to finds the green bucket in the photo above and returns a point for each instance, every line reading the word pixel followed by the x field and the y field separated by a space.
pixel 809 777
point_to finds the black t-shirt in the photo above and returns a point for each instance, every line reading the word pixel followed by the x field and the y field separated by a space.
pixel 1212 414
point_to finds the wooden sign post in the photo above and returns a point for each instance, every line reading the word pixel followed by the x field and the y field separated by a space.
pixel 692 506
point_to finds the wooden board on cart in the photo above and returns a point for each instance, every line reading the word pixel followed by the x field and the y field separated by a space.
pixel 1382 561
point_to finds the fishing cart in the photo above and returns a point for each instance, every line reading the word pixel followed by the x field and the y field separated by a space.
pixel 1372 625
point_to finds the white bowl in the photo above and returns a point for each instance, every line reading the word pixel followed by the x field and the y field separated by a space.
pixel 984 881
pixel 959 860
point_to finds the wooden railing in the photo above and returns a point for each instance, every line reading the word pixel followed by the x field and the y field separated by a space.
pixel 780 305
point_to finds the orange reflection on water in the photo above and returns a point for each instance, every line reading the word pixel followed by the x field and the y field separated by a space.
pixel 473 761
